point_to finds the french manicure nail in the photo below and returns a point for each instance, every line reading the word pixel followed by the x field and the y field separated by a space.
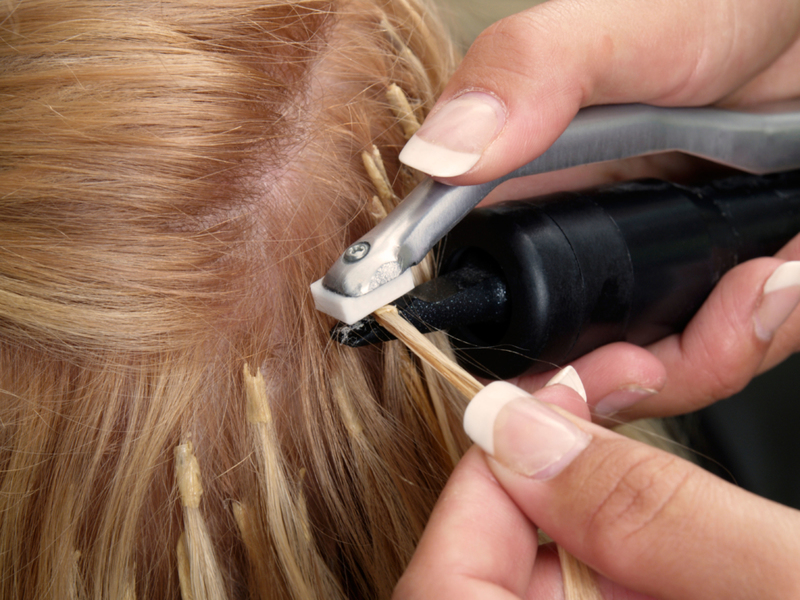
pixel 780 297
pixel 452 140
pixel 569 377
pixel 522 433
pixel 621 398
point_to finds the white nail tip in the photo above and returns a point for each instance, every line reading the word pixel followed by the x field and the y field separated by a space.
pixel 435 160
pixel 787 275
pixel 482 412
pixel 569 377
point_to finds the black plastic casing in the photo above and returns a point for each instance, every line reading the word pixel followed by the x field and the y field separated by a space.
pixel 632 261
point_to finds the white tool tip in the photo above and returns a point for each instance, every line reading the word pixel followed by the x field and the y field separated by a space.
pixel 349 309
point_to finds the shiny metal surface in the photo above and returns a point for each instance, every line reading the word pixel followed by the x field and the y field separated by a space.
pixel 763 141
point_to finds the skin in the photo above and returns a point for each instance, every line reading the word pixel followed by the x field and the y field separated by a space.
pixel 692 535
pixel 651 524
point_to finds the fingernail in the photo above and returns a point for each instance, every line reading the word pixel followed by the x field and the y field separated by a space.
pixel 452 140
pixel 621 398
pixel 569 377
pixel 780 297
pixel 522 433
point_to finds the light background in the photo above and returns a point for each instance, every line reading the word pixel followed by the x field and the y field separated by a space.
pixel 467 18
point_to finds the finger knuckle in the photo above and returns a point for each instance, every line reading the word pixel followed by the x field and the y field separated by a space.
pixel 725 373
pixel 637 502
pixel 728 354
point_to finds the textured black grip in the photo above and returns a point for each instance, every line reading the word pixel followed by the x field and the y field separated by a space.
pixel 632 261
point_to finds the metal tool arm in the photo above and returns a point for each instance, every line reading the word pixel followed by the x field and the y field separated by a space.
pixel 757 142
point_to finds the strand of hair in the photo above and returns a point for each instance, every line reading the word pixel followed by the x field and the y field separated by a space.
pixel 299 560
pixel 389 318
pixel 198 571
pixel 579 584
pixel 377 175
pixel 402 110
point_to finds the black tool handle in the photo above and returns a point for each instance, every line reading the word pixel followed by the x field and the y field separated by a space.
pixel 631 261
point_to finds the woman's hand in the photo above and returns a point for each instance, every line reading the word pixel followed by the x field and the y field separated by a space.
pixel 648 522
pixel 522 82
pixel 526 76
pixel 748 325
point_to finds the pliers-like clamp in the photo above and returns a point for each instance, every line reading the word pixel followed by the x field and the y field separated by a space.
pixel 376 269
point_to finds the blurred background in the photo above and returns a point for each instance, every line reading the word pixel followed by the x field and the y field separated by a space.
pixel 750 439
pixel 467 18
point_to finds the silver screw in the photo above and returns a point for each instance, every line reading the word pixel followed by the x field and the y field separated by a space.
pixel 356 252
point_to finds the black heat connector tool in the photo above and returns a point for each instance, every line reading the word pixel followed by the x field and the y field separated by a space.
pixel 531 284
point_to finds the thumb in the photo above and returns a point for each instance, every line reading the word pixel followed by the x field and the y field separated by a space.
pixel 525 77
pixel 640 517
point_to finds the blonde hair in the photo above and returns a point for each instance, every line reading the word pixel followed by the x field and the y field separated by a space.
pixel 174 418
pixel 578 579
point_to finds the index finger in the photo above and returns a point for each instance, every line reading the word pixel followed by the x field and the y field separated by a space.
pixel 525 77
